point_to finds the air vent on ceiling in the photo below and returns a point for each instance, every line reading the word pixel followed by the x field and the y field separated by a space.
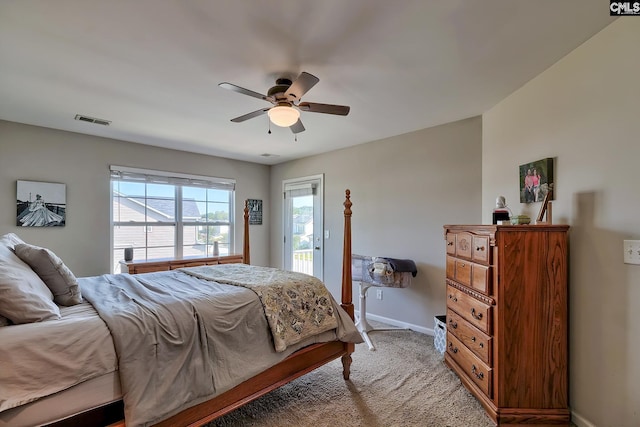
pixel 102 122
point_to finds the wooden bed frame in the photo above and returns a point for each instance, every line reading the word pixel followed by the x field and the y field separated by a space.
pixel 299 363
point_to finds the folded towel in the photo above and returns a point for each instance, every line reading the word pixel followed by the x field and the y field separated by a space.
pixel 403 265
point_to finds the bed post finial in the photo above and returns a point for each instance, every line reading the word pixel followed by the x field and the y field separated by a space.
pixel 347 203
pixel 246 253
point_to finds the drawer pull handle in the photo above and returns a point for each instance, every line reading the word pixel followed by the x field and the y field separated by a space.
pixel 449 243
pixel 462 265
pixel 476 316
pixel 474 371
pixel 453 349
pixel 453 298
pixel 480 248
pixel 474 340
pixel 453 324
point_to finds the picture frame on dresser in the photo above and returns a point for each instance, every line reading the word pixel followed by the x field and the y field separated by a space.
pixel 545 208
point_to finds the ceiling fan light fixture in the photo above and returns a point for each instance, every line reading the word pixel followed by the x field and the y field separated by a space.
pixel 283 116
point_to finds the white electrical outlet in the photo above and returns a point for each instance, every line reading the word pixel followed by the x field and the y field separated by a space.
pixel 378 293
pixel 632 252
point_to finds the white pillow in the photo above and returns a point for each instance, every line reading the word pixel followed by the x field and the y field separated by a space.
pixel 57 276
pixel 24 298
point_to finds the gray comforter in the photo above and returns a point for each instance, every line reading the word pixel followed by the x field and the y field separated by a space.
pixel 181 340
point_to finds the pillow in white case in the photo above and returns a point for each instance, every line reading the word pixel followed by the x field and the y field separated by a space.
pixel 10 240
pixel 57 276
pixel 24 298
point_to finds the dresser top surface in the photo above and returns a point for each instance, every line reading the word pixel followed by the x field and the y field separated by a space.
pixel 494 228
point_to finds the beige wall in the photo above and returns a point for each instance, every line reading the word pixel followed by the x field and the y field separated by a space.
pixel 82 163
pixel 583 112
pixel 403 190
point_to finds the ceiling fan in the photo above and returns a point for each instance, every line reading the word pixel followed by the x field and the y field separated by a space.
pixel 285 97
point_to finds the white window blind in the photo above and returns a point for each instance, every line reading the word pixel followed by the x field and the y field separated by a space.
pixel 173 178
pixel 299 190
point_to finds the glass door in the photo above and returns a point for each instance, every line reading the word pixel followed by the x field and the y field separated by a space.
pixel 303 245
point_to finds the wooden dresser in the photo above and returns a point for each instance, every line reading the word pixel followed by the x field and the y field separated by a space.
pixel 137 267
pixel 507 319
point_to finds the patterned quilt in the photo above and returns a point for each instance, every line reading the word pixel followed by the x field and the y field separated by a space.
pixel 296 305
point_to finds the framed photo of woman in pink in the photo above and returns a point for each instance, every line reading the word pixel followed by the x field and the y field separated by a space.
pixel 536 178
pixel 41 204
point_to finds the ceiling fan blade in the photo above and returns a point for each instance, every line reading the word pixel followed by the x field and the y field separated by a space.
pixel 297 127
pixel 313 107
pixel 251 115
pixel 243 91
pixel 303 83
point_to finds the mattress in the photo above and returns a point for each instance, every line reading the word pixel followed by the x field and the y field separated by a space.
pixel 83 397
pixel 44 358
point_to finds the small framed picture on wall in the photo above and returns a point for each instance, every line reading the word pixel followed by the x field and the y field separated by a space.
pixel 255 211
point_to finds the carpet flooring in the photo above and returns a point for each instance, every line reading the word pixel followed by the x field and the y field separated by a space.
pixel 404 382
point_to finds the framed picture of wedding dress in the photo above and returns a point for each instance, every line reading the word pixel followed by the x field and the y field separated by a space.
pixel 41 204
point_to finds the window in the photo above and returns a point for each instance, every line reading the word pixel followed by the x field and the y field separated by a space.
pixel 168 215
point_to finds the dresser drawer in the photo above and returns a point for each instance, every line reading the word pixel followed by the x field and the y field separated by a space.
pixel 480 249
pixel 464 242
pixel 451 243
pixel 469 246
pixel 481 278
pixel 478 342
pixel 474 368
pixel 475 312
pixel 466 273
pixel 463 272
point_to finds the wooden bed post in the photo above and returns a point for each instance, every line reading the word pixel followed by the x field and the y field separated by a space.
pixel 347 280
pixel 246 253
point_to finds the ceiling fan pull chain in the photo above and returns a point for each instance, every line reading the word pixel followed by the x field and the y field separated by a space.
pixel 269 121
pixel 295 137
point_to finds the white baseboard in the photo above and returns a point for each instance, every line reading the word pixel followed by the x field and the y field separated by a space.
pixel 580 421
pixel 397 323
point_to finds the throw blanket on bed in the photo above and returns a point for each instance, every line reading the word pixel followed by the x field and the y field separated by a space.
pixel 297 305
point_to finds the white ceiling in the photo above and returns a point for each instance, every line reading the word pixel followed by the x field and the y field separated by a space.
pixel 152 67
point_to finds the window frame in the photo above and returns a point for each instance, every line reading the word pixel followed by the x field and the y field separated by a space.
pixel 179 182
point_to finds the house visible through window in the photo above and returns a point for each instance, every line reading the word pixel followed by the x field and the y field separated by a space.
pixel 168 215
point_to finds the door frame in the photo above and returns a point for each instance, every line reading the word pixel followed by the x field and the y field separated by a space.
pixel 318 220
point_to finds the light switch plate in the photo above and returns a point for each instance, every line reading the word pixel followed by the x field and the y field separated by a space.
pixel 631 251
